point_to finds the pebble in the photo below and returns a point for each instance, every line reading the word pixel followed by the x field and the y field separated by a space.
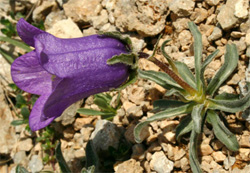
pixel 160 163
pixel 226 16
pixel 138 152
pixel 199 15
pixel 206 150
pixel 35 164
pixel 245 140
pixel 20 158
pixel 212 2
pixel 218 156
pixel 241 9
pixel 81 122
pixel 182 8
pixel 244 154
pixel 43 10
pixel 228 162
pixel 130 165
pixel 105 135
pixel 237 34
pixel 25 145
pixel 216 34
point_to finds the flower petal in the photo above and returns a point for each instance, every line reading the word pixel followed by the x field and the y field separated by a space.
pixel 29 75
pixel 68 57
pixel 27 32
pixel 70 90
pixel 35 120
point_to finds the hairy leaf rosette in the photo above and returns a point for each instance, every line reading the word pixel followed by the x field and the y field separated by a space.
pixel 63 71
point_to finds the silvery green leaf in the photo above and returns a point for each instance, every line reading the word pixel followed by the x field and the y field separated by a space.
pixel 227 96
pixel 186 74
pixel 169 59
pixel 230 63
pixel 181 95
pixel 197 54
pixel 185 126
pixel 161 79
pixel 16 43
pixel 230 105
pixel 206 62
pixel 161 105
pixel 161 115
pixel 197 115
pixel 60 159
pixel 221 132
pixel 193 156
pixel 20 169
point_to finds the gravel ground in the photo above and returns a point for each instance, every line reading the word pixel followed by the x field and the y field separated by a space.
pixel 220 22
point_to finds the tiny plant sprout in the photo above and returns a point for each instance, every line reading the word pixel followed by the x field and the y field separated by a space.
pixel 197 97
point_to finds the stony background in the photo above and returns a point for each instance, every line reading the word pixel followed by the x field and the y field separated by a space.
pixel 220 22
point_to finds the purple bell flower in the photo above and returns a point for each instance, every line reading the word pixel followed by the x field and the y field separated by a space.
pixel 63 71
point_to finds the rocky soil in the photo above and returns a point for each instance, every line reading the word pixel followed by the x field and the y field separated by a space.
pixel 220 22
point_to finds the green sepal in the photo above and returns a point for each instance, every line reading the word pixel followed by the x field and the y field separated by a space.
pixel 231 106
pixel 221 131
pixel 161 105
pixel 118 35
pixel 161 115
pixel 133 75
pixel 230 63
pixel 128 59
pixel 185 126
pixel 60 159
pixel 197 54
pixel 197 115
pixel 193 155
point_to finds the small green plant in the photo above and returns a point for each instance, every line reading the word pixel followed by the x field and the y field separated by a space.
pixel 47 139
pixel 104 102
pixel 196 97
pixel 24 104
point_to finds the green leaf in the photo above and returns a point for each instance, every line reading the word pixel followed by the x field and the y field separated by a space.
pixel 193 156
pixel 186 74
pixel 174 92
pixel 20 101
pixel 161 115
pixel 169 59
pixel 227 96
pixel 92 112
pixel 221 132
pixel 230 105
pixel 6 56
pixel 60 159
pixel 230 63
pixel 16 43
pixel 19 122
pixel 103 104
pixel 25 112
pixel 20 169
pixel 161 105
pixel 197 54
pixel 161 79
pixel 206 62
pixel 92 158
pixel 185 126
pixel 197 115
